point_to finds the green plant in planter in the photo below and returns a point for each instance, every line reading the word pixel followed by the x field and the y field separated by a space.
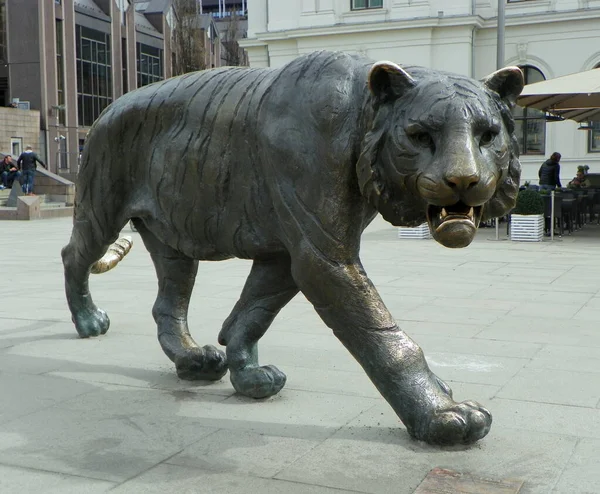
pixel 529 202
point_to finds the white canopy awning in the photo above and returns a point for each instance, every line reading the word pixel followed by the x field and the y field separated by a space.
pixel 575 96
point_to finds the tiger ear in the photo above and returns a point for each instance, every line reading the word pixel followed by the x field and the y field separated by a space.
pixel 388 81
pixel 507 82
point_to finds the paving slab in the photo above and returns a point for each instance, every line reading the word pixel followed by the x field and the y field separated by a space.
pixel 543 310
pixel 237 452
pixel 377 459
pixel 532 329
pixel 109 413
pixel 107 434
pixel 475 304
pixel 185 480
pixel 593 302
pixel 479 346
pixel 18 479
pixel 457 315
pixel 464 329
pixel 23 394
pixel 292 413
pixel 553 386
pixel 581 474
pixel 480 369
pixel 570 420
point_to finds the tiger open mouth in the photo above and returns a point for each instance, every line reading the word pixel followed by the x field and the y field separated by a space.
pixel 454 226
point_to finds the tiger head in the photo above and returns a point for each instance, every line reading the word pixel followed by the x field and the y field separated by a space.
pixel 440 148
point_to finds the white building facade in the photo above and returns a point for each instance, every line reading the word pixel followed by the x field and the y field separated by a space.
pixel 546 38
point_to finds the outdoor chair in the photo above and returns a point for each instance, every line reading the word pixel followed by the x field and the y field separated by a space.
pixel 558 215
pixel 583 206
pixel 569 209
pixel 595 206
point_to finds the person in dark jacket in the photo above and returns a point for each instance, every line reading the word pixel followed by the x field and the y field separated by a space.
pixel 9 172
pixel 550 173
pixel 27 163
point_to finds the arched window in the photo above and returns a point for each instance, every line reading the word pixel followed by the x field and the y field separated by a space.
pixel 530 124
pixel 594 140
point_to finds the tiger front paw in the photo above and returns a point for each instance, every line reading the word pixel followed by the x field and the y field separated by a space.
pixel 460 423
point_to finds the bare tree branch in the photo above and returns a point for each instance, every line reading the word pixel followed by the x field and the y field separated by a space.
pixel 234 55
pixel 188 38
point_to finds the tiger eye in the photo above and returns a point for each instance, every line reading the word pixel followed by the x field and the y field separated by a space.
pixel 423 139
pixel 487 137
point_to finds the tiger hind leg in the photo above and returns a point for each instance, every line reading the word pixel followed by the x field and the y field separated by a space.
pixel 86 246
pixel 176 275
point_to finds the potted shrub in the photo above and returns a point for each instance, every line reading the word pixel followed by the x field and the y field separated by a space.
pixel 527 219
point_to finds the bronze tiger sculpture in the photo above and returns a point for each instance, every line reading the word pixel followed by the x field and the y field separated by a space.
pixel 287 167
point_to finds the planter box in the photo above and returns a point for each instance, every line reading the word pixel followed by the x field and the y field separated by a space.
pixel 421 231
pixel 527 228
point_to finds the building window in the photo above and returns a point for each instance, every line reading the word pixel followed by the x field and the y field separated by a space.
pixel 594 134
pixel 149 64
pixel 16 146
pixel 530 124
pixel 94 74
pixel 60 75
pixel 594 139
pixel 366 4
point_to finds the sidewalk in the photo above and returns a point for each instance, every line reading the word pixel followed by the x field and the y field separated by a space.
pixel 511 325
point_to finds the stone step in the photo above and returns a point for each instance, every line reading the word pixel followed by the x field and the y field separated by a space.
pixel 4 195
pixel 28 209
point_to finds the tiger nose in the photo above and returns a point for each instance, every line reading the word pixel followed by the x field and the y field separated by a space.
pixel 462 182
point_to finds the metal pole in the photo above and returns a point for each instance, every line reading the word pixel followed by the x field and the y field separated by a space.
pixel 552 215
pixel 499 59
pixel 500 42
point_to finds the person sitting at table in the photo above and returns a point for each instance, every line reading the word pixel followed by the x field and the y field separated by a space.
pixel 580 180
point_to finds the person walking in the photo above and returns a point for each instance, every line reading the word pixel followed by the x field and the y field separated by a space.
pixel 9 172
pixel 549 173
pixel 27 163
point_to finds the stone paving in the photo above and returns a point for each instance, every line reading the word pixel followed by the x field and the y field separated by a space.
pixel 512 325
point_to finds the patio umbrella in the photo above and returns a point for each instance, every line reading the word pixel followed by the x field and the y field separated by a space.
pixel 575 96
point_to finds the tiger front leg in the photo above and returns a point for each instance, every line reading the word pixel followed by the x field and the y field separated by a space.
pixel 268 288
pixel 348 303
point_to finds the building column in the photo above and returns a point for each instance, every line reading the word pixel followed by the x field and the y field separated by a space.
pixel 131 50
pixel 48 69
pixel 168 50
pixel 70 67
pixel 116 50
